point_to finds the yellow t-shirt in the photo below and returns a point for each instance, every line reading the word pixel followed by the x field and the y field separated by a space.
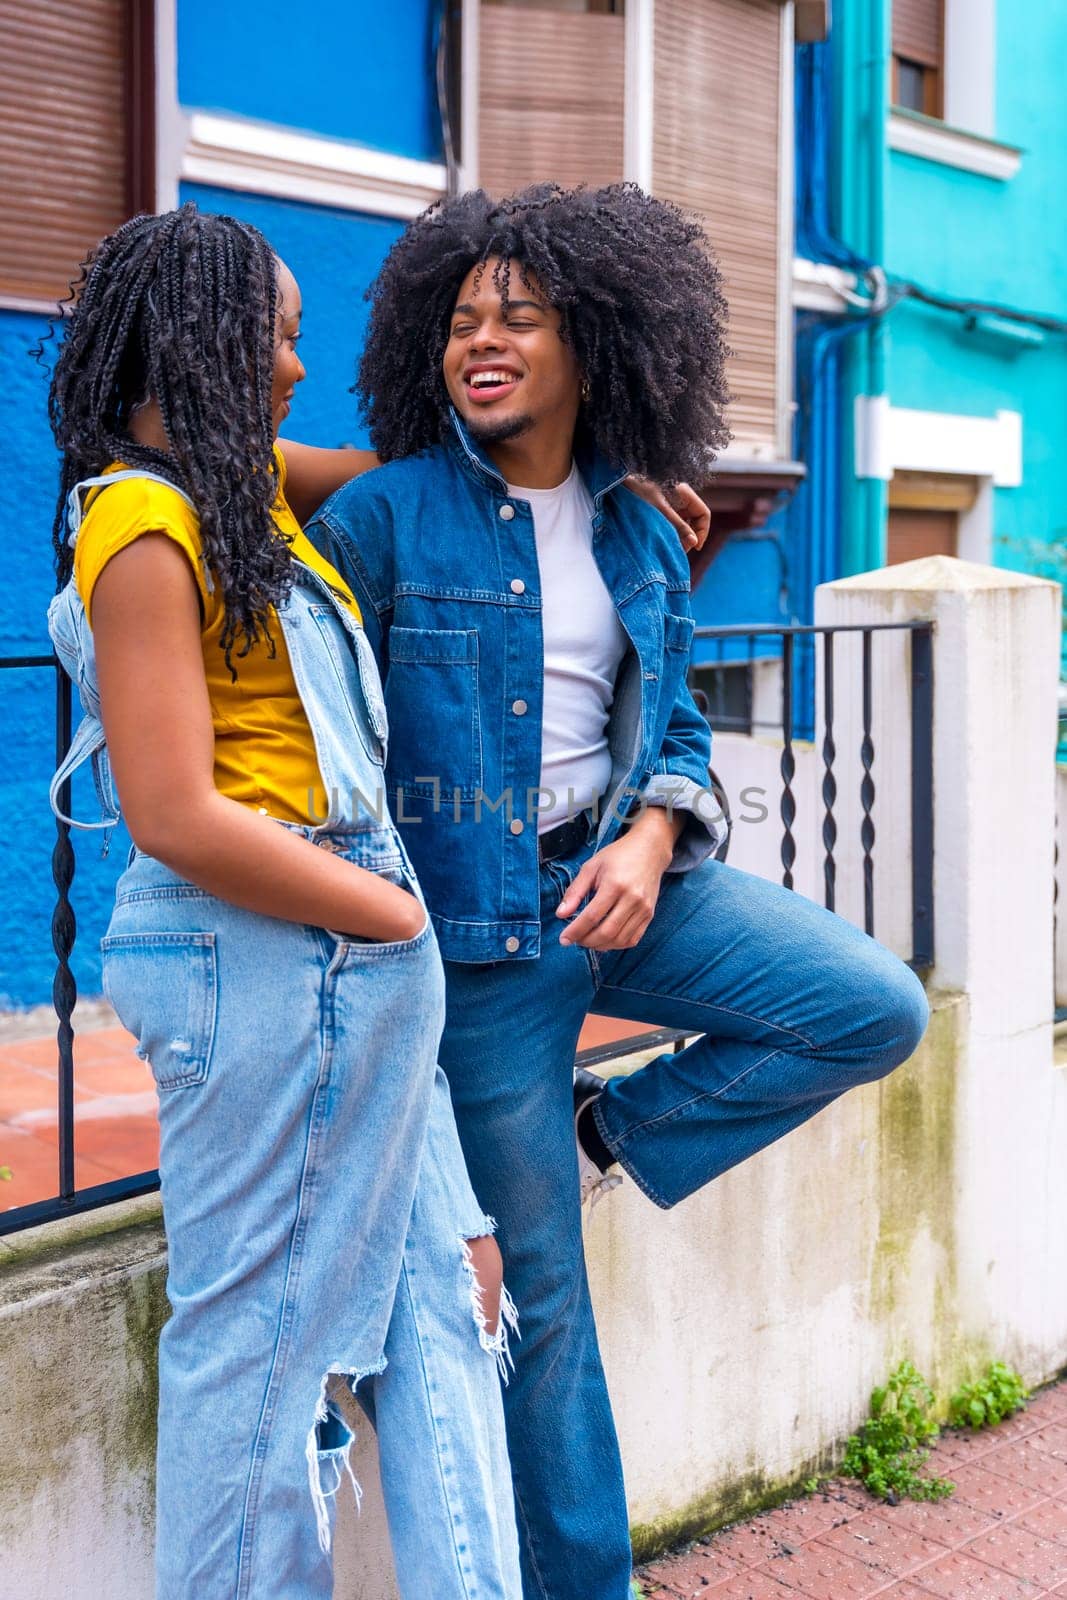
pixel 264 750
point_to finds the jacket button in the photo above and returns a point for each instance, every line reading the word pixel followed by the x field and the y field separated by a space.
pixel 517 586
pixel 511 945
pixel 506 513
pixel 519 707
pixel 518 825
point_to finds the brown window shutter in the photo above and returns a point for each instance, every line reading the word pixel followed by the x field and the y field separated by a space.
pixel 65 146
pixel 918 31
pixel 551 102
pixel 914 533
pixel 716 133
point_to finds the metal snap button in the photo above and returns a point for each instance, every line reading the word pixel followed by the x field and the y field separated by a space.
pixel 517 586
pixel 519 707
pixel 506 513
pixel 511 945
pixel 518 825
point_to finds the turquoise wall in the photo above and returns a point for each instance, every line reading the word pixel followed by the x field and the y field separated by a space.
pixel 984 239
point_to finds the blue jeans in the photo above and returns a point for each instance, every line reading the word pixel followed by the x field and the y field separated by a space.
pixel 795 1006
pixel 317 1207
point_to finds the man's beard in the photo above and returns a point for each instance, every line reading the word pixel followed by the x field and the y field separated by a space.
pixel 485 430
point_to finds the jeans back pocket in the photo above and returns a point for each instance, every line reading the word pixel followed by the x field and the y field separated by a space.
pixel 164 988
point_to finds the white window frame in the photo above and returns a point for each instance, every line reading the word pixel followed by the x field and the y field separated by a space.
pixel 266 159
pixel 965 137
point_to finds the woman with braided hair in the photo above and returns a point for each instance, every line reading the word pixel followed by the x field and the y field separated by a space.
pixel 270 950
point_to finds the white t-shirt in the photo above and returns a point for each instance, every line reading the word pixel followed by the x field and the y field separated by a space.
pixel 584 644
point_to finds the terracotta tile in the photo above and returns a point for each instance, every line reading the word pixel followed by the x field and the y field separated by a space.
pixel 904 1591
pixel 124 1145
pixel 946 1522
pixel 605 1030
pixel 757 1584
pixel 1050 1405
pixel 960 1577
pixel 35 1169
pixel 694 1571
pixel 993 1493
pixel 102 1044
pixel 752 1543
pixel 127 1074
pixel 960 1448
pixel 823 1573
pixel 799 1521
pixel 1052 1439
pixel 1022 1553
pixel 1028 1466
pixel 1017 1427
pixel 23 1090
pixel 891 1549
pixel 1048 1520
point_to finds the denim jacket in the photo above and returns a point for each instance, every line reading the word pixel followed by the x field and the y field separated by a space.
pixel 443 563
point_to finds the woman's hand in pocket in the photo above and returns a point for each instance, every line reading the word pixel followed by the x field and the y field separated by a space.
pixel 387 914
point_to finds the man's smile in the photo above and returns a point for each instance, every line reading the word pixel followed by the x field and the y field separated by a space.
pixel 485 382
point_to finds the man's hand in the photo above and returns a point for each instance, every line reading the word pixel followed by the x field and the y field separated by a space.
pixel 683 509
pixel 624 881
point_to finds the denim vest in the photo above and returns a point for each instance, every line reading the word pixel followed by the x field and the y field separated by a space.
pixel 443 563
pixel 336 678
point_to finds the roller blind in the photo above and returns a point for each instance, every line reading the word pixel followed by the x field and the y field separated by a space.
pixel 715 151
pixel 64 141
pixel 551 97
pixel 918 30
pixel 921 533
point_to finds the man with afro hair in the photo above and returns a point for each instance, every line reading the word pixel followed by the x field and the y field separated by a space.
pixel 549 770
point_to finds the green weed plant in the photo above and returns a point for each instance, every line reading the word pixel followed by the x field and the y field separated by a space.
pixel 982 1404
pixel 890 1448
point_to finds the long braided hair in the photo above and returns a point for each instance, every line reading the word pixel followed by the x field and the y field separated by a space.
pixel 181 307
pixel 641 302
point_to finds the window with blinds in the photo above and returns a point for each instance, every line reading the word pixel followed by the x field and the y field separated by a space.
pixel 716 119
pixel 75 135
pixel 551 93
pixel 918 55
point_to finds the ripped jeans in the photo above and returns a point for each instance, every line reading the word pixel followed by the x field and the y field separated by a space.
pixel 317 1210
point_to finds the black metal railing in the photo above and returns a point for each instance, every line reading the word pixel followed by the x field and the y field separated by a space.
pixel 744 649
pixel 69 1200
pixel 795 648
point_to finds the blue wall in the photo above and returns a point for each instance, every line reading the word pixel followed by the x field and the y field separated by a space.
pixel 362 72
pixel 334 256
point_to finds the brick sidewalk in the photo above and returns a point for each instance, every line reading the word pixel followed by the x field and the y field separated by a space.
pixel 1001 1536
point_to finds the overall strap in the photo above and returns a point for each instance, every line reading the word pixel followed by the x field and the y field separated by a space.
pixel 75 512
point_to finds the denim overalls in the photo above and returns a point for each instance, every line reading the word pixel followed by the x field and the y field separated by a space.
pixel 316 1202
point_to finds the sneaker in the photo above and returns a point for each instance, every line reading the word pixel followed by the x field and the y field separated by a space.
pixel 594 1183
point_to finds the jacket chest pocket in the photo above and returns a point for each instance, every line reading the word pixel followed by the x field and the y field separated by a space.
pixel 431 699
pixel 677 653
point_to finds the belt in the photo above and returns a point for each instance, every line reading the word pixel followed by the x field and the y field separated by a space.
pixel 564 839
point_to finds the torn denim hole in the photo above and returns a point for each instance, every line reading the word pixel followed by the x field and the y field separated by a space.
pixel 327 1459
pixel 495 1344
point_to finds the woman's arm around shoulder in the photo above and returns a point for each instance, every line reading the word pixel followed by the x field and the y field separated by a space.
pixel 312 474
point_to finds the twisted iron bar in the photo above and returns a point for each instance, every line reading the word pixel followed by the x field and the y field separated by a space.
pixel 867 791
pixel 787 765
pixel 829 782
pixel 64 932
